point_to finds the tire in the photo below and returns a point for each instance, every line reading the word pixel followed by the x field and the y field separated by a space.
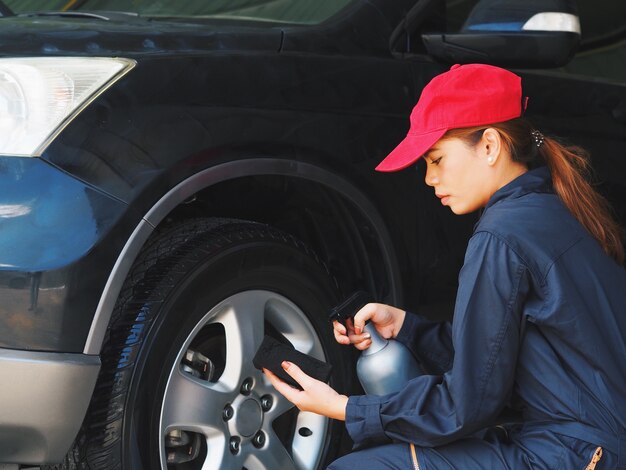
pixel 177 380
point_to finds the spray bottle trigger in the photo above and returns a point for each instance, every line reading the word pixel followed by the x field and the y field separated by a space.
pixel 349 307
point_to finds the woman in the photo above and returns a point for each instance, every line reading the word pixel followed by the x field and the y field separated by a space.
pixel 540 317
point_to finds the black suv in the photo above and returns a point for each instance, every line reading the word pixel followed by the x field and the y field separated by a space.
pixel 179 179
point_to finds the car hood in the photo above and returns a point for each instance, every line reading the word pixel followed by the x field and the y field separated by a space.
pixel 128 35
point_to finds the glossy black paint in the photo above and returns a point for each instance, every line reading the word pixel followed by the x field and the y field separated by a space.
pixel 125 36
pixel 207 93
pixel 536 49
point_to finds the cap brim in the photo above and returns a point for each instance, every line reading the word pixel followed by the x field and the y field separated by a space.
pixel 410 150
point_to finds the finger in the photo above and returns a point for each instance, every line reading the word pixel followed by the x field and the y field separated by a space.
pixel 282 387
pixel 270 375
pixel 340 333
pixel 339 327
pixel 341 339
pixel 297 374
pixel 349 326
pixel 356 339
pixel 363 345
pixel 364 314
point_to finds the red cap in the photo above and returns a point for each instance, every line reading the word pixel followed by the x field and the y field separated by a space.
pixel 465 96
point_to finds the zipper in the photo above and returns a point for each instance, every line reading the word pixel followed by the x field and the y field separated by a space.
pixel 416 464
pixel 597 455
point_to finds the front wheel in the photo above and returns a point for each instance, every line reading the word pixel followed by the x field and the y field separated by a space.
pixel 217 399
pixel 178 390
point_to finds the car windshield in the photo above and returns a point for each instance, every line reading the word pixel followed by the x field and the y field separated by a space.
pixel 282 11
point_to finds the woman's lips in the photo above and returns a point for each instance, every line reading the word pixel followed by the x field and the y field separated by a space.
pixel 444 198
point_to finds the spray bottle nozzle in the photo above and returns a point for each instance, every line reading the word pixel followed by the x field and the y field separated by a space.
pixel 349 307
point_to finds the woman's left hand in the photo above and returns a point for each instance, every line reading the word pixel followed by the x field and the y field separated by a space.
pixel 316 396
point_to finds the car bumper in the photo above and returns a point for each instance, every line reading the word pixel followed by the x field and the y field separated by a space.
pixel 44 399
pixel 59 239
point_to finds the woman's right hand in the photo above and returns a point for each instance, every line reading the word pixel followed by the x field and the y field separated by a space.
pixel 386 319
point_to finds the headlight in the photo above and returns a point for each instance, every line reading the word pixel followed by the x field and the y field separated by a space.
pixel 40 95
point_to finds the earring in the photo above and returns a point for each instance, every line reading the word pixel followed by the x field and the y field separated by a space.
pixel 490 160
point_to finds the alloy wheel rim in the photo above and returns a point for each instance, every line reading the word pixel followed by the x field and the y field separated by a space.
pixel 228 421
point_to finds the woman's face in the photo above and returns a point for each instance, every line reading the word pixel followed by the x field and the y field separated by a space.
pixel 462 176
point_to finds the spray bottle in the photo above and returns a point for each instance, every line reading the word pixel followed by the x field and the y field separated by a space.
pixel 387 365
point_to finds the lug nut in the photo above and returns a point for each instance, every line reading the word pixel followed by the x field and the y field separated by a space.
pixel 234 445
pixel 228 413
pixel 259 440
pixel 246 387
pixel 266 402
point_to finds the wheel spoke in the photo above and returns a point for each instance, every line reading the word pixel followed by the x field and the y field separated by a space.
pixel 193 405
pixel 281 315
pixel 218 455
pixel 272 456
pixel 305 444
pixel 280 406
pixel 243 321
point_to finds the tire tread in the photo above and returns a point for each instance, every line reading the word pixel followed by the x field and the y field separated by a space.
pixel 174 250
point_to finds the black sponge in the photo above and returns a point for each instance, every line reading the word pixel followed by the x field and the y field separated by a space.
pixel 272 353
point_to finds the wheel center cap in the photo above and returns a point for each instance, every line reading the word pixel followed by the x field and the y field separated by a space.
pixel 249 417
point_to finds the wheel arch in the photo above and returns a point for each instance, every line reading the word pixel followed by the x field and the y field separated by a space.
pixel 335 185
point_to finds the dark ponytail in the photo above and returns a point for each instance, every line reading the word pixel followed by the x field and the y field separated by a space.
pixel 570 169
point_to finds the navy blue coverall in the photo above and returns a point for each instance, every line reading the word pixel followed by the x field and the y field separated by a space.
pixel 539 326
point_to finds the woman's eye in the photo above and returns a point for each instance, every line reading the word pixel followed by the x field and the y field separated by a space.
pixel 436 161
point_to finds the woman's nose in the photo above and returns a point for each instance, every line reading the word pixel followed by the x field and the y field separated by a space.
pixel 431 177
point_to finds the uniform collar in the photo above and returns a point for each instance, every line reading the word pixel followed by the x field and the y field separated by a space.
pixel 537 180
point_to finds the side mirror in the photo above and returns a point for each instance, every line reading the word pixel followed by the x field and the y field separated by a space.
pixel 512 33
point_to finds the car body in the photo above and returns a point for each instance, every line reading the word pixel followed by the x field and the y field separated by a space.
pixel 215 116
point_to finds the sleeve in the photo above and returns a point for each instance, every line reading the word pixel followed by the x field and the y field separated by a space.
pixel 436 409
pixel 429 341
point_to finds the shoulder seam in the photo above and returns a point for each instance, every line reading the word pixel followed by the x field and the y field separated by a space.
pixel 517 253
pixel 572 245
pixel 539 276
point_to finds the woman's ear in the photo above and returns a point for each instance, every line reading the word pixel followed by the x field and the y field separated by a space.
pixel 491 145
